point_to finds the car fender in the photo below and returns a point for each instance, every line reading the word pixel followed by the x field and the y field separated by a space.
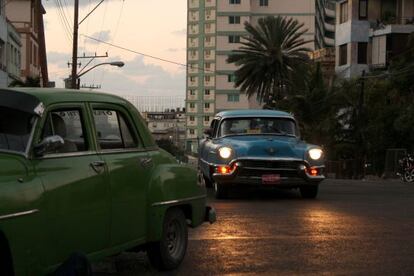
pixel 174 185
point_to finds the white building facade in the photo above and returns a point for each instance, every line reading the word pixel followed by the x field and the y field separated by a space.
pixel 215 28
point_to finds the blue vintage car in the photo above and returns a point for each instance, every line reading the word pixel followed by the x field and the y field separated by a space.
pixel 259 148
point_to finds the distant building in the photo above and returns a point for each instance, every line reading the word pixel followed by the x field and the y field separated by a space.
pixel 370 33
pixel 324 24
pixel 326 58
pixel 169 125
pixel 13 55
pixel 27 17
pixel 3 46
pixel 214 29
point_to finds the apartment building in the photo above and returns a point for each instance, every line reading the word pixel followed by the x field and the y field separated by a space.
pixel 3 46
pixel 325 24
pixel 215 28
pixel 10 45
pixel 27 18
pixel 370 33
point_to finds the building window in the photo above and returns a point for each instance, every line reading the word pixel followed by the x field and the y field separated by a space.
pixel 192 119
pixel 234 39
pixel 343 54
pixel 233 2
pixel 231 78
pixel 192 105
pixel 193 53
pixel 207 92
pixel 344 12
pixel 208 13
pixel 207 52
pixel 234 19
pixel 208 26
pixel 208 65
pixel 206 118
pixel 363 9
pixel 208 39
pixel 207 105
pixel 192 92
pixel 192 132
pixel 233 97
pixel 362 52
pixel 263 3
pixel 192 79
pixel 207 78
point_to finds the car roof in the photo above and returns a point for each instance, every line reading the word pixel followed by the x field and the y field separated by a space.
pixel 253 113
pixel 60 95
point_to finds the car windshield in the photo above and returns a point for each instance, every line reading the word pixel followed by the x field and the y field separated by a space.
pixel 15 129
pixel 266 126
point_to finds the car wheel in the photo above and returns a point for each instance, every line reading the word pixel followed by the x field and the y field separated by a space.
pixel 309 191
pixel 220 191
pixel 169 252
pixel 409 176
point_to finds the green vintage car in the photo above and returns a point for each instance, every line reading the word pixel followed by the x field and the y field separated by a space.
pixel 81 178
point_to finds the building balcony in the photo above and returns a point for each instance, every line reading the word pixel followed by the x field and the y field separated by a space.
pixel 329 41
pixel 381 29
pixel 329 27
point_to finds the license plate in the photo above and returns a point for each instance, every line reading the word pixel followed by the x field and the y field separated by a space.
pixel 269 179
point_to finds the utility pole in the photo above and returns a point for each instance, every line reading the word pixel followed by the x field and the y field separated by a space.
pixel 75 45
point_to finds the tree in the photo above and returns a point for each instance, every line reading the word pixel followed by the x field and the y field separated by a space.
pixel 272 58
pixel 29 82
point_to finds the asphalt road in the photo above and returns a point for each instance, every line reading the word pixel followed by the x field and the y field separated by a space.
pixel 352 228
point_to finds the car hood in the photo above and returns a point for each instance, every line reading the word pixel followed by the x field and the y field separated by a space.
pixel 265 146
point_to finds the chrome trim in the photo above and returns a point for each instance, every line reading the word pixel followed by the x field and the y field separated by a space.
pixel 268 159
pixel 19 214
pixel 269 169
pixel 121 150
pixel 68 154
pixel 30 141
pixel 161 203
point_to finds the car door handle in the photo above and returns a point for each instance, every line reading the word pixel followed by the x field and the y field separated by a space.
pixel 97 166
pixel 146 162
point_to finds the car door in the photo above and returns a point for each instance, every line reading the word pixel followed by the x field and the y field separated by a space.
pixel 76 200
pixel 129 168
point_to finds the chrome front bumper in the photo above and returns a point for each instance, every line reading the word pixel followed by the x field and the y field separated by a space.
pixel 293 172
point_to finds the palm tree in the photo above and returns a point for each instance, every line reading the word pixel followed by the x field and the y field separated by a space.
pixel 271 58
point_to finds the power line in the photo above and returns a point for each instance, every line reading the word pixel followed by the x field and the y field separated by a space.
pixel 63 20
pixel 145 55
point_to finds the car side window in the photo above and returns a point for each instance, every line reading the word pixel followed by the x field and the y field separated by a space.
pixel 67 124
pixel 113 130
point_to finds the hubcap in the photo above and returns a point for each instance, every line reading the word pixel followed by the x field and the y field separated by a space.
pixel 174 238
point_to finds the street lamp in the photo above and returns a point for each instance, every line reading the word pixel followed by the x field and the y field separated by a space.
pixel 113 63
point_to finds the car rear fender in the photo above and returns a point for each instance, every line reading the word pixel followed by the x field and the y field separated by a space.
pixel 174 186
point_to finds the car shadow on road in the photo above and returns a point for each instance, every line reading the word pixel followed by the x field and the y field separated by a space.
pixel 259 194
pixel 127 264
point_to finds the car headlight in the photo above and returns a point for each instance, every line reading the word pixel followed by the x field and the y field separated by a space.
pixel 225 152
pixel 315 154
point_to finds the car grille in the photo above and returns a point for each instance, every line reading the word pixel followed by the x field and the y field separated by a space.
pixel 257 168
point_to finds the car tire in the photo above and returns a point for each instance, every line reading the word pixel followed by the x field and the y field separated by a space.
pixel 309 191
pixel 169 252
pixel 220 191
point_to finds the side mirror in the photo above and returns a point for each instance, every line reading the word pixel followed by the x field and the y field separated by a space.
pixel 49 144
pixel 208 132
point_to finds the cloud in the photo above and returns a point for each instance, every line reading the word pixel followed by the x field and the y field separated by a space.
pixel 136 78
pixel 181 32
pixel 102 35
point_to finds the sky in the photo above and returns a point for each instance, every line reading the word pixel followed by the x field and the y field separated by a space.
pixel 156 28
